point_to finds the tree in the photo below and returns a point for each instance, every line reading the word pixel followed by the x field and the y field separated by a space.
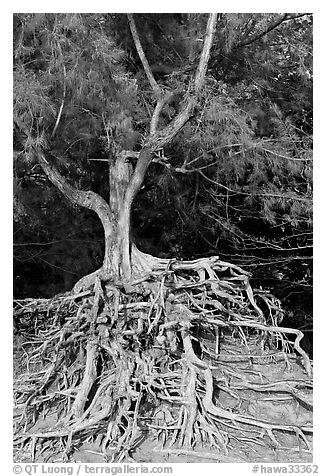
pixel 140 312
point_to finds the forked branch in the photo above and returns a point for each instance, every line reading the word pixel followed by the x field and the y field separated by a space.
pixel 160 138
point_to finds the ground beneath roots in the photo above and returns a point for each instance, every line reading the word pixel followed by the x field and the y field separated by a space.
pixel 151 452
pixel 242 449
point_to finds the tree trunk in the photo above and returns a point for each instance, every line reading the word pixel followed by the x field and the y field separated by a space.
pixel 122 261
pixel 116 262
pixel 124 185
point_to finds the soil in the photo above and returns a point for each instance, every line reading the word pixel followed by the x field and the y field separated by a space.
pixel 241 449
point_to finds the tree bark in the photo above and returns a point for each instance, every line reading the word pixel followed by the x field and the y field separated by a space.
pixel 118 248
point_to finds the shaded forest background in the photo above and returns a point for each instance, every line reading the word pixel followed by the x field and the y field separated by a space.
pixel 241 181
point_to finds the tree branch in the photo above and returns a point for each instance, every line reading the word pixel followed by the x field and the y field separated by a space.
pixel 202 67
pixel 63 94
pixel 156 88
pixel 158 140
pixel 162 99
pixel 86 199
pixel 299 15
pixel 271 27
pixel 164 136
pixel 157 111
pixel 256 194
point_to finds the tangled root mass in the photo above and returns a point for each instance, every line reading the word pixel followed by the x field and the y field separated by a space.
pixel 157 357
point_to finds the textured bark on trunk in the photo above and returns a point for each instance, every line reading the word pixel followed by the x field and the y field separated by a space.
pixel 116 261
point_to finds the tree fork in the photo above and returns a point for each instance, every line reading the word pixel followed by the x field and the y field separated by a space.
pixel 125 184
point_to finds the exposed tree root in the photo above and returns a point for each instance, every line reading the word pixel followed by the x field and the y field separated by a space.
pixel 115 361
